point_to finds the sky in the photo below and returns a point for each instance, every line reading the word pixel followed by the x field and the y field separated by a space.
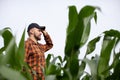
pixel 18 14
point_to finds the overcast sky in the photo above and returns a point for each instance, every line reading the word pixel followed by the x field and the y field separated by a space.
pixel 18 14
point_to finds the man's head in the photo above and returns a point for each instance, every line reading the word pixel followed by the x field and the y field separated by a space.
pixel 35 30
pixel 35 25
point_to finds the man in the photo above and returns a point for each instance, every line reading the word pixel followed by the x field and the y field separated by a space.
pixel 34 51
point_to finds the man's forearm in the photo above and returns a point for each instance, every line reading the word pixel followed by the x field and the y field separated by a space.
pixel 47 39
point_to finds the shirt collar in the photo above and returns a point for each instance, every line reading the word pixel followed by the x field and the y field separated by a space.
pixel 31 41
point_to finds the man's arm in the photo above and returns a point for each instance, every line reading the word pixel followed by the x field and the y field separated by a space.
pixel 48 40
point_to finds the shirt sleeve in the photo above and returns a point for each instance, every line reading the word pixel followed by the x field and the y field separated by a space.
pixel 26 51
pixel 48 41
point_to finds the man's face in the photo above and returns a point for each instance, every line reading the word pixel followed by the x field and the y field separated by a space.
pixel 37 34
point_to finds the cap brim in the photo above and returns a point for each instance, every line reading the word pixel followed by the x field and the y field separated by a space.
pixel 42 27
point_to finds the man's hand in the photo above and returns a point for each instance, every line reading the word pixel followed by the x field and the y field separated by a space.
pixel 44 32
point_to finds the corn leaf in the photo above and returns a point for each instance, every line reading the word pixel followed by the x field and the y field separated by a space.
pixel 71 30
pixel 106 51
pixel 93 64
pixel 85 16
pixel 11 74
pixel 6 35
pixel 92 45
pixel 21 51
pixel 9 57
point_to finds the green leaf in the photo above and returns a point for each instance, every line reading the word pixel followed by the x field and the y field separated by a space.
pixel 1 57
pixel 85 16
pixel 86 77
pixel 81 69
pixel 107 46
pixel 50 77
pixel 7 36
pixel 21 50
pixel 9 57
pixel 48 60
pixel 71 34
pixel 112 33
pixel 73 19
pixel 60 59
pixel 79 28
pixel 77 34
pixel 87 10
pixel 11 74
pixel 115 66
pixel 93 64
pixel 26 71
pixel 52 69
pixel 95 17
pixel 2 50
pixel 66 74
pixel 92 45
pixel 116 72
pixel 74 67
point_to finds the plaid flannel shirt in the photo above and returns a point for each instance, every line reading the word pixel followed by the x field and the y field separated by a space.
pixel 34 54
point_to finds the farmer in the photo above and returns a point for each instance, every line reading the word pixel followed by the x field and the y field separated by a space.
pixel 34 51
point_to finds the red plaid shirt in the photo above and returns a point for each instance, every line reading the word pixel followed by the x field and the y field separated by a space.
pixel 34 54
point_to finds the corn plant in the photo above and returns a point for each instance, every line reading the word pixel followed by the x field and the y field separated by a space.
pixel 12 57
pixel 78 31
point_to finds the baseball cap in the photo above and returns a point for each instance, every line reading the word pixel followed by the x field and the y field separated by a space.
pixel 35 25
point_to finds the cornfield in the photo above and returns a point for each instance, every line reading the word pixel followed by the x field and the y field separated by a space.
pixel 70 67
